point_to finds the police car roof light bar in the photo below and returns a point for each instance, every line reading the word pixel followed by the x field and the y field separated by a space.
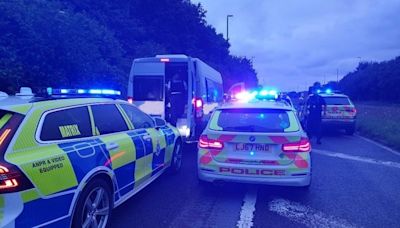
pixel 82 92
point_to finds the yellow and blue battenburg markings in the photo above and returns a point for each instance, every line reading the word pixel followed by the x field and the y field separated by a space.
pixel 139 155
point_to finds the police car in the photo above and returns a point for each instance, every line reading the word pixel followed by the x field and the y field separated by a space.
pixel 67 162
pixel 340 112
pixel 255 142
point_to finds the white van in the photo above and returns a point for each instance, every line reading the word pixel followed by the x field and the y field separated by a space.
pixel 148 89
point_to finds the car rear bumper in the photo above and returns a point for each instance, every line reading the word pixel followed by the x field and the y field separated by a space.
pixel 302 177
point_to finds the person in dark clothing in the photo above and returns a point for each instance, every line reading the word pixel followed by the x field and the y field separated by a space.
pixel 177 96
pixel 315 106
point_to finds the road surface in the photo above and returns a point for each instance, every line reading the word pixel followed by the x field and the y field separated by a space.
pixel 356 183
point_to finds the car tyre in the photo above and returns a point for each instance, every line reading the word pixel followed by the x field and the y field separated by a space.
pixel 205 184
pixel 176 162
pixel 350 130
pixel 94 205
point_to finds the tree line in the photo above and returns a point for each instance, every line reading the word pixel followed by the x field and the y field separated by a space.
pixel 86 43
pixel 375 81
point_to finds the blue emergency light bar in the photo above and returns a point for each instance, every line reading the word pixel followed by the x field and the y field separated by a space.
pixel 246 96
pixel 82 92
pixel 327 91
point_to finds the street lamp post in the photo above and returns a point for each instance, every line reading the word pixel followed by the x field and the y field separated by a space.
pixel 227 26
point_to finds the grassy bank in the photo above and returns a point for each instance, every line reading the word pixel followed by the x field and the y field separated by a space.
pixel 380 122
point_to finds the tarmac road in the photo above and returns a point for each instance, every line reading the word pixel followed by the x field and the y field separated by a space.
pixel 356 183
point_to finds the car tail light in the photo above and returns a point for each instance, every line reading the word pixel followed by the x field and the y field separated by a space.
pixel 198 107
pixel 206 143
pixel 301 146
pixel 130 100
pixel 12 179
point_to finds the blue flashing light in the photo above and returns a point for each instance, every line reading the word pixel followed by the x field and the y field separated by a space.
pixel 318 91
pixel 49 90
pixel 252 153
pixel 66 92
pixel 109 92
pixel 273 92
pixel 264 92
pixel 95 91
pixel 328 91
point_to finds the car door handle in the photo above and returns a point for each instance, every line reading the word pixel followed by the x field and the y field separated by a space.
pixel 112 146
pixel 147 137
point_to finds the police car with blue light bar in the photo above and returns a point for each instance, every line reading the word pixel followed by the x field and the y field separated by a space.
pixel 256 138
pixel 68 159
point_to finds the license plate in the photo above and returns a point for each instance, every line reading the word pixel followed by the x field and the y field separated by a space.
pixel 251 147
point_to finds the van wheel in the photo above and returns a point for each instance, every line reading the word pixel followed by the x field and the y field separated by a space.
pixel 94 205
pixel 176 162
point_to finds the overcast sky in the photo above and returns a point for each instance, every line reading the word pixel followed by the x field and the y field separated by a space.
pixel 297 42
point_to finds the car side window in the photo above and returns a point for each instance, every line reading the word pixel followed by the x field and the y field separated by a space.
pixel 66 124
pixel 138 118
pixel 108 119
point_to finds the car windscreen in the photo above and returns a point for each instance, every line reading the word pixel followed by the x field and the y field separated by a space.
pixel 254 120
pixel 148 88
pixel 337 101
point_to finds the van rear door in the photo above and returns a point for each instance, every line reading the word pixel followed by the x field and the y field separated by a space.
pixel 146 87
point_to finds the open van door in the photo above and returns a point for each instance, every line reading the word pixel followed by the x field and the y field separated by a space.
pixel 186 126
pixel 146 87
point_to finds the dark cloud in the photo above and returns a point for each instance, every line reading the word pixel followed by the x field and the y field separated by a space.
pixel 295 43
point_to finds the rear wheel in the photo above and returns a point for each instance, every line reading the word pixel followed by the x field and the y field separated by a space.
pixel 350 130
pixel 94 205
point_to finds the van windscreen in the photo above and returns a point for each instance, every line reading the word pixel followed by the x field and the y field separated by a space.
pixel 148 88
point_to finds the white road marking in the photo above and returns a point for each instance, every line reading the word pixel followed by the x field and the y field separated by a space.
pixel 357 158
pixel 305 215
pixel 379 145
pixel 248 208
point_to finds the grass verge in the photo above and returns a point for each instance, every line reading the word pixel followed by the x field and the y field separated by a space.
pixel 380 122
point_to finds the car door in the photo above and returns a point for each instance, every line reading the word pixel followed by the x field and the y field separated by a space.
pixel 153 138
pixel 112 129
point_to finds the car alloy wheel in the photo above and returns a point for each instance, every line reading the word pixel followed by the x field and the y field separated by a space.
pixel 96 208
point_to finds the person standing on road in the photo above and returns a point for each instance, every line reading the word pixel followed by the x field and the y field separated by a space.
pixel 177 95
pixel 315 106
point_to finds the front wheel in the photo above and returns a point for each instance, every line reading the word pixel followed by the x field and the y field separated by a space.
pixel 94 205
pixel 176 162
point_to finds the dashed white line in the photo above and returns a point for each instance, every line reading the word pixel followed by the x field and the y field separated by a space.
pixel 305 215
pixel 379 145
pixel 248 208
pixel 357 158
